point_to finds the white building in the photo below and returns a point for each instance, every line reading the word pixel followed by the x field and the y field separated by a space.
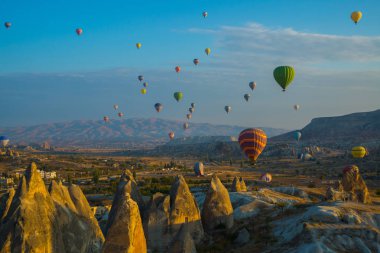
pixel 47 174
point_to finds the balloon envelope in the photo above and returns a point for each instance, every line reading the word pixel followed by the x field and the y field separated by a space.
pixel 199 169
pixel 185 125
pixel 227 108
pixel 191 109
pixel 115 107
pixel 266 177
pixel 106 119
pixel 208 51
pixel 171 135
pixel 192 105
pixel 145 84
pixel 138 45
pixel 252 141
pixel 140 78
pixel 205 14
pixel 79 31
pixel 284 75
pixel 7 24
pixel 178 96
pixel 356 16
pixel 4 141
pixel 358 152
pixel 246 97
pixel 143 91
pixel 177 69
pixel 196 61
pixel 351 169
pixel 120 114
pixel 158 107
pixel 296 107
pixel 252 85
pixel 188 116
pixel 297 135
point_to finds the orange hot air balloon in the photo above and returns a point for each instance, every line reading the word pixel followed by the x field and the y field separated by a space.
pixel 177 69
pixel 171 135
pixel 252 141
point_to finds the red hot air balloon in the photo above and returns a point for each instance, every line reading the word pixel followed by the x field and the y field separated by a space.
pixel 171 135
pixel 252 141
pixel 79 31
pixel 120 114
pixel 177 69
pixel 106 119
pixel 196 61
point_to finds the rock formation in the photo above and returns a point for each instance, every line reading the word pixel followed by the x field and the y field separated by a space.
pixel 183 242
pixel 238 185
pixel 217 210
pixel 125 233
pixel 165 216
pixel 36 221
pixel 127 184
pixel 5 203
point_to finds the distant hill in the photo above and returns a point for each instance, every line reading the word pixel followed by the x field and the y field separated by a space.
pixel 128 133
pixel 352 129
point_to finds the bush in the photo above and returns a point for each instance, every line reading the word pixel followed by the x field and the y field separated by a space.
pixel 378 192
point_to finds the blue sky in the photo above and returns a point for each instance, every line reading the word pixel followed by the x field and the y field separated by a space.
pixel 49 74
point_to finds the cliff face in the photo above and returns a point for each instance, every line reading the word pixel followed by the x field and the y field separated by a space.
pixel 35 220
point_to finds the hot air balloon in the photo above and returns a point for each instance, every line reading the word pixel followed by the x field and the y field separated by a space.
pixel 297 135
pixel 4 141
pixel 252 85
pixel 138 45
pixel 358 152
pixel 178 96
pixel 252 141
pixel 158 107
pixel 351 169
pixel 356 16
pixel 199 169
pixel 145 84
pixel 171 135
pixel 196 62
pixel 7 25
pixel 115 107
pixel 227 108
pixel 140 78
pixel 177 69
pixel 79 31
pixel 205 14
pixel 208 51
pixel 191 110
pixel 296 107
pixel 143 91
pixel 106 119
pixel 188 116
pixel 185 125
pixel 192 105
pixel 266 177
pixel 246 97
pixel 284 75
pixel 120 114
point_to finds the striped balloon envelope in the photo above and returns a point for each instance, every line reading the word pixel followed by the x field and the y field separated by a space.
pixel 252 141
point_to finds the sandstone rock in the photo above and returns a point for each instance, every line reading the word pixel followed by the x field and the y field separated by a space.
pixel 183 242
pixel 125 233
pixel 129 185
pixel 217 210
pixel 242 237
pixel 238 185
pixel 354 185
pixel 5 203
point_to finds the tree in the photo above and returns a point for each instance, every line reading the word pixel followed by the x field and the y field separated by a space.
pixel 134 174
pixel 95 176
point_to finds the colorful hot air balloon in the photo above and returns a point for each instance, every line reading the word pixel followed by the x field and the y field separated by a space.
pixel 252 85
pixel 115 107
pixel 192 105
pixel 297 135
pixel 145 84
pixel 284 75
pixel 188 116
pixel 205 14
pixel 356 16
pixel 196 61
pixel 185 125
pixel 143 91
pixel 178 96
pixel 199 169
pixel 138 45
pixel 252 141
pixel 120 114
pixel 79 31
pixel 266 177
pixel 296 107
pixel 358 152
pixel 158 107
pixel 208 51
pixel 246 97
pixel 227 108
pixel 171 135
pixel 106 119
pixel 191 109
pixel 177 69
pixel 7 25
pixel 4 141
pixel 140 78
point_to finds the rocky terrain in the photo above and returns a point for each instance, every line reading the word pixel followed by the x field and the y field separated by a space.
pixel 124 133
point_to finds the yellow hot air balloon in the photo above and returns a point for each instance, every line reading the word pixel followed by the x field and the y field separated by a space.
pixel 143 91
pixel 208 51
pixel 138 45
pixel 356 16
pixel 358 152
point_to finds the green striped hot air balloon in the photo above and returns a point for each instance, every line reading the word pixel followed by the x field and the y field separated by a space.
pixel 178 96
pixel 284 75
